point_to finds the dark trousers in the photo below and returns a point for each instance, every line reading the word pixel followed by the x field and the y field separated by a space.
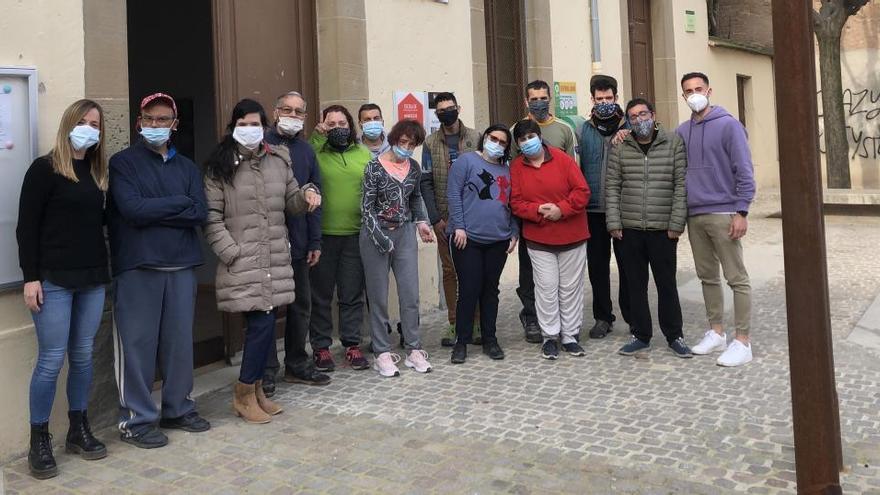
pixel 258 339
pixel 478 268
pixel 296 326
pixel 526 289
pixel 340 270
pixel 599 267
pixel 640 249
pixel 153 313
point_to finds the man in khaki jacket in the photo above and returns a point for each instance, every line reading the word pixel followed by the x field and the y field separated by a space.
pixel 646 208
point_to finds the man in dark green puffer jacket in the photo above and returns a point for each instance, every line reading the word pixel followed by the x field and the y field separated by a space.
pixel 646 210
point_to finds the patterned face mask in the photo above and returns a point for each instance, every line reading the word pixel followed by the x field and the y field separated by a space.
pixel 643 128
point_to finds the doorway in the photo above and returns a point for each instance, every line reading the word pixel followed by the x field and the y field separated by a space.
pixel 170 50
pixel 209 54
pixel 641 49
pixel 505 46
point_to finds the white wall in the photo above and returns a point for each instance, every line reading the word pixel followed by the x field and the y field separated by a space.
pixel 48 35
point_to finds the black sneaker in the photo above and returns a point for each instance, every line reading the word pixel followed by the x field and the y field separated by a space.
pixel 150 438
pixel 494 351
pixel 532 330
pixel 459 353
pixel 550 350
pixel 190 422
pixel 310 376
pixel 574 349
pixel 635 346
pixel 600 329
pixel 680 349
pixel 269 385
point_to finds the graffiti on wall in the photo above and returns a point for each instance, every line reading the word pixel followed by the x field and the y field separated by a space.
pixel 862 110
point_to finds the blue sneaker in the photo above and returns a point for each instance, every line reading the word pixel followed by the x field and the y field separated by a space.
pixel 550 350
pixel 635 345
pixel 680 349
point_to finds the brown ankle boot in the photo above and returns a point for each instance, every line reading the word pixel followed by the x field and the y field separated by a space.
pixel 270 407
pixel 245 406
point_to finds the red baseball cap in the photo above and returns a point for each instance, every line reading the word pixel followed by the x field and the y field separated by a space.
pixel 159 96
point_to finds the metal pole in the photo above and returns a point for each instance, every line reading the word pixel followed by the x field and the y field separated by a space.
pixel 818 457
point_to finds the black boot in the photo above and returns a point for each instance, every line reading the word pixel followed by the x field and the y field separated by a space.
pixel 80 439
pixel 40 458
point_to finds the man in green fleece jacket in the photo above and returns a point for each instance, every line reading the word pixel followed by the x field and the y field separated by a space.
pixel 341 161
pixel 646 208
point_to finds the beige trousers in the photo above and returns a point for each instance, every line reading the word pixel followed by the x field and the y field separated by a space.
pixel 713 248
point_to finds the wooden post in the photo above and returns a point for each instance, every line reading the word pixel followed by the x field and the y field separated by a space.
pixel 818 457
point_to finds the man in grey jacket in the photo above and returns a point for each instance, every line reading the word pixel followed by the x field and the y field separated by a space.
pixel 646 209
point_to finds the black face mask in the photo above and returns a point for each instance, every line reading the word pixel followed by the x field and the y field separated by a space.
pixel 338 137
pixel 608 125
pixel 448 117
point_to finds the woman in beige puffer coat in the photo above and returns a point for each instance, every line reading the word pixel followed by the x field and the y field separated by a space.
pixel 250 186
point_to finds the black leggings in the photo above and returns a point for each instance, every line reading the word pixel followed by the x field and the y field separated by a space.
pixel 478 268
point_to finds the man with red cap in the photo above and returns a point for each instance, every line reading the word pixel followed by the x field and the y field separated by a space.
pixel 155 206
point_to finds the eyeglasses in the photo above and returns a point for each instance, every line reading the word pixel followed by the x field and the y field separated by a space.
pixel 643 115
pixel 287 111
pixel 160 121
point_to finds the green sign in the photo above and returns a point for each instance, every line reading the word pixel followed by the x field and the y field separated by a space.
pixel 566 100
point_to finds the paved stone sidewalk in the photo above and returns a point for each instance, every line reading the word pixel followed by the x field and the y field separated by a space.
pixel 598 424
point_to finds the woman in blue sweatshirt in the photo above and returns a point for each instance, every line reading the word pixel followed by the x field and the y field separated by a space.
pixel 483 232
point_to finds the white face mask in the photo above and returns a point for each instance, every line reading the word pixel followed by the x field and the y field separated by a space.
pixel 698 102
pixel 289 126
pixel 83 137
pixel 249 136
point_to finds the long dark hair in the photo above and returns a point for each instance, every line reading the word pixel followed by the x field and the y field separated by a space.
pixel 505 158
pixel 221 163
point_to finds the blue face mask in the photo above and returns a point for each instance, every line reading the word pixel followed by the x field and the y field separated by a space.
pixel 605 110
pixel 373 128
pixel 84 136
pixel 156 136
pixel 531 146
pixel 400 152
pixel 493 149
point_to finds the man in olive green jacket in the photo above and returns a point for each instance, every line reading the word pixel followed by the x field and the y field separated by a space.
pixel 646 210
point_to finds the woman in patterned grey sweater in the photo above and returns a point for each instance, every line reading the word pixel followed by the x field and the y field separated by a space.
pixel 392 211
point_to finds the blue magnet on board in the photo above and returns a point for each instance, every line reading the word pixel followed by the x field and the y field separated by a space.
pixel 7 89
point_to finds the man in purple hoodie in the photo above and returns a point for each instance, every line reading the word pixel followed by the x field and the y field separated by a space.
pixel 720 187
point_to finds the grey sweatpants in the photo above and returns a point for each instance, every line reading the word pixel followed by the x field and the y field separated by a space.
pixel 153 320
pixel 404 260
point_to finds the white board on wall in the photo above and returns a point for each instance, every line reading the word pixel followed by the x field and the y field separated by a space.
pixel 18 148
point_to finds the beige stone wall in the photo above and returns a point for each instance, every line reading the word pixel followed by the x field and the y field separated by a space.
pixel 860 72
pixel 49 36
pixel 678 52
pixel 571 46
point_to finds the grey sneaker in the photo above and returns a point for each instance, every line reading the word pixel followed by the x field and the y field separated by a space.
pixel 680 349
pixel 600 329
pixel 633 347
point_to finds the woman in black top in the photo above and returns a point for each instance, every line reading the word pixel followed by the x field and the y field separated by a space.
pixel 63 257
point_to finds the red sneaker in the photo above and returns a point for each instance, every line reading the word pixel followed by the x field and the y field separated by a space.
pixel 356 358
pixel 324 360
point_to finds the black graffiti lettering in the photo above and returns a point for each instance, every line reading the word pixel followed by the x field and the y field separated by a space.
pixel 860 107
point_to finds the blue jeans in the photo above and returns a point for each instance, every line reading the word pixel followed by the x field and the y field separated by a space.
pixel 66 323
pixel 258 340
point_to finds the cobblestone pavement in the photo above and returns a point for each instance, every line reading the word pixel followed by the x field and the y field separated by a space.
pixel 598 424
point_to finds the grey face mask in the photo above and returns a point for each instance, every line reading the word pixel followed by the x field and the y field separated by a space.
pixel 643 128
pixel 540 109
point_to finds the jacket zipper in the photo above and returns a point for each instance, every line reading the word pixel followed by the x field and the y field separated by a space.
pixel 645 196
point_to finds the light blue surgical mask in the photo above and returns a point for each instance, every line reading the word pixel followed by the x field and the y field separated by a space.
pixel 401 152
pixel 83 137
pixel 493 149
pixel 156 136
pixel 373 128
pixel 531 146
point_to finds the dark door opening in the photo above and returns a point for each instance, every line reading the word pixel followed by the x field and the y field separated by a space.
pixel 170 49
pixel 641 49
pixel 505 46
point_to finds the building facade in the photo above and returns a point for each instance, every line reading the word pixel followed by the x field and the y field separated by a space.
pixel 210 53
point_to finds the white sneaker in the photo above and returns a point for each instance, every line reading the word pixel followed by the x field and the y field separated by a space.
pixel 386 364
pixel 737 354
pixel 712 342
pixel 418 360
